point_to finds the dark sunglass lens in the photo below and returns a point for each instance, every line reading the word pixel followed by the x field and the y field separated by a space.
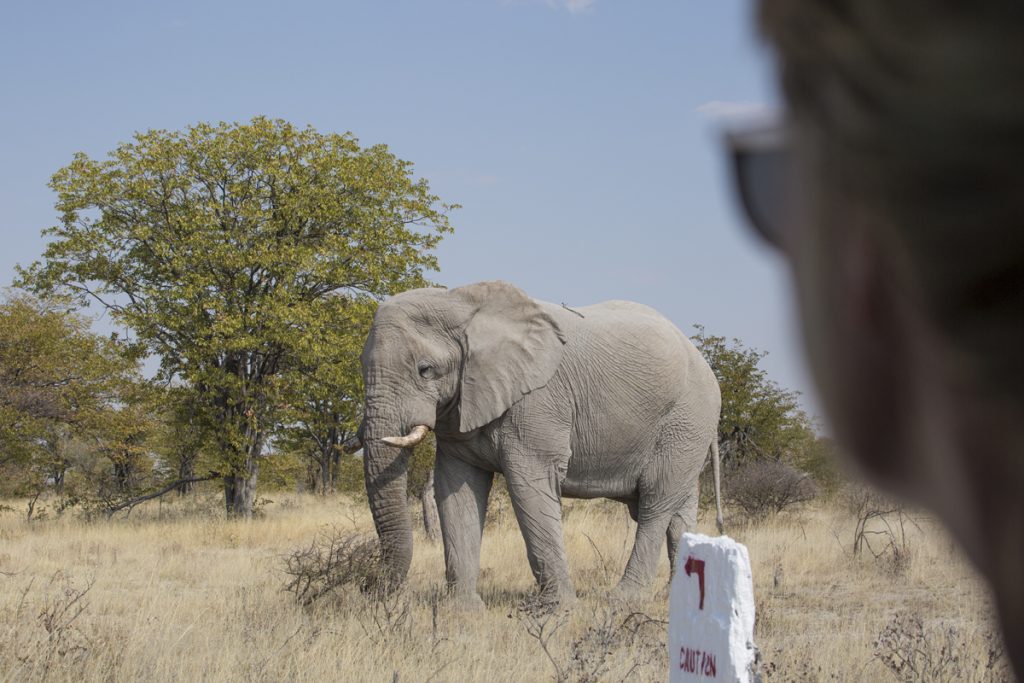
pixel 762 176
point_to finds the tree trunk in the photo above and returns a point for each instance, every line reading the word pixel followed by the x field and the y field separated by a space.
pixel 186 471
pixel 325 474
pixel 312 468
pixel 431 521
pixel 335 467
pixel 123 474
pixel 240 482
pixel 58 479
pixel 240 493
pixel 240 485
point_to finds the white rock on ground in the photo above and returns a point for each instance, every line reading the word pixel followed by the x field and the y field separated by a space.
pixel 711 627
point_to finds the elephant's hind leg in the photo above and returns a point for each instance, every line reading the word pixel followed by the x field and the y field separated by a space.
pixel 651 528
pixel 682 521
pixel 667 501
pixel 676 528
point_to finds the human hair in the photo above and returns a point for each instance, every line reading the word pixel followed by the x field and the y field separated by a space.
pixel 916 112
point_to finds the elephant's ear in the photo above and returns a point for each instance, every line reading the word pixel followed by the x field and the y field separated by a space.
pixel 510 348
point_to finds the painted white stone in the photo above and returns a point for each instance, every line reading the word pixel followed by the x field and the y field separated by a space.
pixel 713 641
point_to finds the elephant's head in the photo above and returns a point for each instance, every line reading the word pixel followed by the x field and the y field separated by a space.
pixel 460 357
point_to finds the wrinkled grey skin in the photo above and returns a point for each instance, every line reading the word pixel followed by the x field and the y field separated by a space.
pixel 609 401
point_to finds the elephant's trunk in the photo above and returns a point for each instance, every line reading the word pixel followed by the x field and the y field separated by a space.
pixel 386 468
pixel 355 442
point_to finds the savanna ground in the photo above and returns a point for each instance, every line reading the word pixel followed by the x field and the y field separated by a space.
pixel 174 592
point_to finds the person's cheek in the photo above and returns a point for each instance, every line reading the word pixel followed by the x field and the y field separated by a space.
pixel 854 376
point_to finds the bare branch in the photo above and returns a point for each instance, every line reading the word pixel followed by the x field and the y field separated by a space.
pixel 130 504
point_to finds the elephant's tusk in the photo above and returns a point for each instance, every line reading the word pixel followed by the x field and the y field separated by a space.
pixel 418 433
pixel 352 445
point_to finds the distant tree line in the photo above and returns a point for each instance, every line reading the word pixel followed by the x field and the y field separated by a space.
pixel 246 261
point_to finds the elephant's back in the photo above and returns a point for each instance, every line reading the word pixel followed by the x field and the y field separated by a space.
pixel 621 308
pixel 633 315
pixel 638 329
pixel 636 354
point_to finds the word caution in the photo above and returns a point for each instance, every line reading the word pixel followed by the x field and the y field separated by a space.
pixel 697 662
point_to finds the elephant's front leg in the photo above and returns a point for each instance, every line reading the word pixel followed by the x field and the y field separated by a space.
pixel 535 491
pixel 461 491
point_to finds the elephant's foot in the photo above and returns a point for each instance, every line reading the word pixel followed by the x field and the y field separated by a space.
pixel 547 602
pixel 629 592
pixel 560 595
pixel 467 600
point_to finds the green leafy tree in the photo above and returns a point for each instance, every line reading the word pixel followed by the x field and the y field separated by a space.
pixel 822 461
pixel 324 392
pixel 60 384
pixel 126 442
pixel 232 249
pixel 760 419
pixel 181 441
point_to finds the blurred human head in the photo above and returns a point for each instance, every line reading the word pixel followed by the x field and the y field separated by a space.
pixel 905 131
pixel 896 189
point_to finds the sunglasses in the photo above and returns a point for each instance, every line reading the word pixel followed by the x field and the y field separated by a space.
pixel 761 169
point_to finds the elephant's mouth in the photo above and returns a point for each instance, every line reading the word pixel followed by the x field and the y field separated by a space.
pixel 414 437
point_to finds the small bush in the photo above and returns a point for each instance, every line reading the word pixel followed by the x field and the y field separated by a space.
pixel 333 560
pixel 912 651
pixel 881 528
pixel 54 644
pixel 626 643
pixel 388 614
pixel 765 487
pixel 636 640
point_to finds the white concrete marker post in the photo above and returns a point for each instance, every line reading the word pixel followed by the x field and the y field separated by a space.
pixel 711 612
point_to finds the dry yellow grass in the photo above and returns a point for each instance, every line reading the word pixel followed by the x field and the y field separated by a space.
pixel 178 594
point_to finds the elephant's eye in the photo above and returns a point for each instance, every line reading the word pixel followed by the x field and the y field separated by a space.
pixel 426 370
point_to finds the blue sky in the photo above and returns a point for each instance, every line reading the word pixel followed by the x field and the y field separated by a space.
pixel 580 136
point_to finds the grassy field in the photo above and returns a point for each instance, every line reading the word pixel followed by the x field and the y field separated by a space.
pixel 176 593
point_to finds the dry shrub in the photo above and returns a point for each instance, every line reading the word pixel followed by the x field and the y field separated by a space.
pixel 765 487
pixel 338 559
pixel 388 614
pixel 636 635
pixel 881 529
pixel 55 642
pixel 914 651
pixel 542 622
pixel 807 671
pixel 335 559
pixel 616 645
pixel 764 616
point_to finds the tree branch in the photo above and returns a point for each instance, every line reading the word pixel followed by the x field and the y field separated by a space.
pixel 130 504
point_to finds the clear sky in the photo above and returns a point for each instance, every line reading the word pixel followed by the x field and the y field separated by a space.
pixel 581 136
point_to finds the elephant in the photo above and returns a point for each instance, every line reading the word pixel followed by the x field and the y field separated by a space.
pixel 609 400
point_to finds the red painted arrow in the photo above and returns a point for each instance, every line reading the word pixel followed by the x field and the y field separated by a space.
pixel 693 565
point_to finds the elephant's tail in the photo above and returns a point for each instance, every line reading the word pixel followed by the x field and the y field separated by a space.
pixel 716 470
